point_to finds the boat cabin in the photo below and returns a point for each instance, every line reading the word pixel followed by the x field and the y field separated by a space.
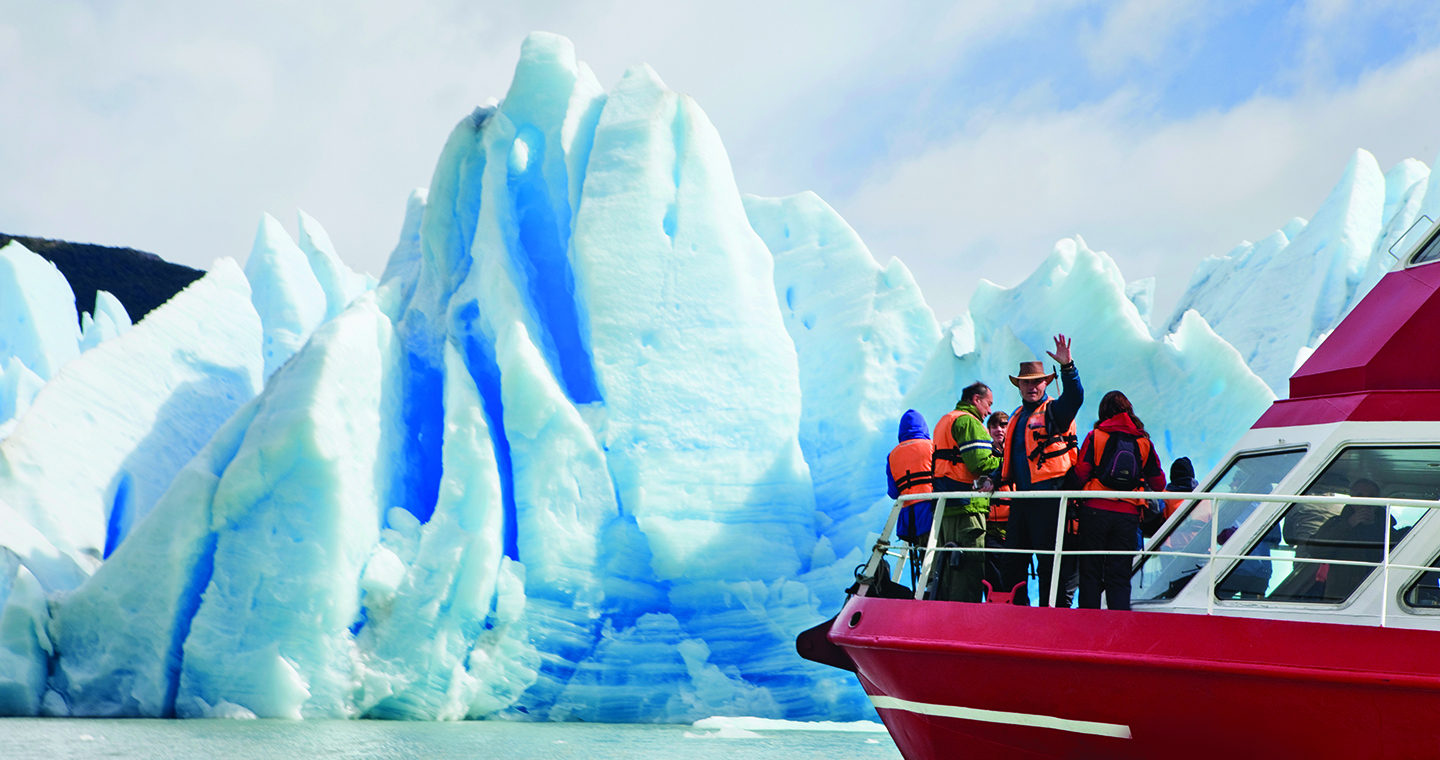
pixel 1362 421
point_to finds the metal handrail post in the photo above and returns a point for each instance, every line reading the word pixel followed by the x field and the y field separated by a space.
pixel 928 565
pixel 1385 581
pixel 1055 553
pixel 1214 547
pixel 882 543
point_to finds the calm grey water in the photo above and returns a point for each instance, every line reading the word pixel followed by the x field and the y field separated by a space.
pixel 56 738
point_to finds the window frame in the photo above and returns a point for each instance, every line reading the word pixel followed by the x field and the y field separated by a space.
pixel 1431 237
pixel 1177 519
pixel 1403 589
pixel 1340 448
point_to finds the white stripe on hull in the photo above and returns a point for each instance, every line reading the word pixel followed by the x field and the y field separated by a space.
pixel 995 716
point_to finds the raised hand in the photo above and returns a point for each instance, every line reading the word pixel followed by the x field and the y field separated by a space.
pixel 1062 350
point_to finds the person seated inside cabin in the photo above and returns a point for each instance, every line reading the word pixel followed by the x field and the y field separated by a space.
pixel 1356 534
pixel 1302 520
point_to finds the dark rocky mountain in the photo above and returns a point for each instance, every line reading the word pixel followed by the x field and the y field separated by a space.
pixel 141 280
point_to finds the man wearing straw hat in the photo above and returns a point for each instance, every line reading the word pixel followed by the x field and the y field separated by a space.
pixel 1040 450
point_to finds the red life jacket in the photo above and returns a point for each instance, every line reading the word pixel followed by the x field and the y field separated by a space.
pixel 948 463
pixel 910 466
pixel 1098 439
pixel 1049 455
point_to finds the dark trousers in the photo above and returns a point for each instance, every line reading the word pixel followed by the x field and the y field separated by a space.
pixel 1103 530
pixel 959 578
pixel 1032 526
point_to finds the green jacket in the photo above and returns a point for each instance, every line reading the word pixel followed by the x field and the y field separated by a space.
pixel 969 431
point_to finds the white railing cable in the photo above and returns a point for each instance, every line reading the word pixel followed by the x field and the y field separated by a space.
pixel 883 547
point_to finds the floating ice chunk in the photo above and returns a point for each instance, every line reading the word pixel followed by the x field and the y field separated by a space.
pixel 286 294
pixel 750 723
pixel 297 514
pixel 24 643
pixel 862 334
pixel 105 437
pixel 37 312
pixel 340 283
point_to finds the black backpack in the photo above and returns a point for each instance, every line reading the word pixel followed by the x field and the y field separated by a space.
pixel 1120 463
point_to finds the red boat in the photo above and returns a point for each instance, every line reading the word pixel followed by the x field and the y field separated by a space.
pixel 1270 616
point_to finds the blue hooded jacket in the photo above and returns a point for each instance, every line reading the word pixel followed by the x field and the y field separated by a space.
pixel 917 516
pixel 912 426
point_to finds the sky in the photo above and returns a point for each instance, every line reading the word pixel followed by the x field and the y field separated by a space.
pixel 963 138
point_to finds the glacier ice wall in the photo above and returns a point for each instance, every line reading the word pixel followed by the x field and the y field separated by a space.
pixel 1277 299
pixel 601 439
pixel 1192 389
pixel 139 406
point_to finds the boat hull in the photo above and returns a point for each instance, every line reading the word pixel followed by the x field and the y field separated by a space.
pixel 955 680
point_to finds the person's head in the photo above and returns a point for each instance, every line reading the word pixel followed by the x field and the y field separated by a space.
pixel 978 395
pixel 996 425
pixel 1365 489
pixel 1114 404
pixel 1182 475
pixel 1032 381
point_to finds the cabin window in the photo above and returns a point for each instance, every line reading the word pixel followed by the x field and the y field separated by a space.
pixel 1161 577
pixel 1427 253
pixel 1308 554
pixel 1424 593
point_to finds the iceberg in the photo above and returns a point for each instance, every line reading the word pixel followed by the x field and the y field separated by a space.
pixel 603 436
pixel 37 308
pixel 1276 299
pixel 103 440
pixel 285 291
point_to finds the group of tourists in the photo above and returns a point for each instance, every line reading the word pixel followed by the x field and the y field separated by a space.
pixel 1034 448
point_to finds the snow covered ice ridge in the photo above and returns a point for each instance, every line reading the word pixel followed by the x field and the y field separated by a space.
pixel 603 437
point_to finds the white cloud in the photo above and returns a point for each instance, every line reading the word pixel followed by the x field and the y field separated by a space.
pixel 1158 196
pixel 171 126
pixel 1141 31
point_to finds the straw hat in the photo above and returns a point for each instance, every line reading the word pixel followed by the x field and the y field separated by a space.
pixel 1032 371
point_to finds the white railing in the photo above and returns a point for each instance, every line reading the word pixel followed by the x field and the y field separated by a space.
pixel 883 546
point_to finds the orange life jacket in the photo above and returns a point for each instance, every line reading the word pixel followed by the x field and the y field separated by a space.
pixel 1171 505
pixel 999 508
pixel 910 466
pixel 1098 439
pixel 948 463
pixel 1049 455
